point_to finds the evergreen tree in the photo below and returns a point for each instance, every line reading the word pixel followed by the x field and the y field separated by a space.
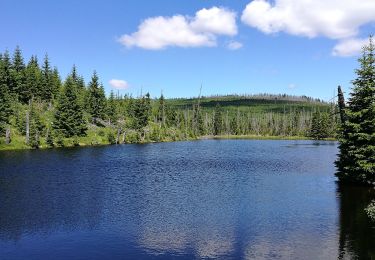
pixel 5 73
pixel 341 103
pixel 96 98
pixel 36 126
pixel 46 87
pixel 161 115
pixel 141 111
pixel 56 82
pixel 218 120
pixel 69 119
pixel 356 161
pixel 18 80
pixel 5 106
pixel 112 108
pixel 33 80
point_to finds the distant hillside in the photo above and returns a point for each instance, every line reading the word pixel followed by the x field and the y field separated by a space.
pixel 259 103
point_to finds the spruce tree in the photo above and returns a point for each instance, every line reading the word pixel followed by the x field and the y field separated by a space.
pixel 218 120
pixel 96 98
pixel 112 108
pixel 356 161
pixel 69 120
pixel 46 87
pixel 33 80
pixel 18 78
pixel 161 114
pixel 5 107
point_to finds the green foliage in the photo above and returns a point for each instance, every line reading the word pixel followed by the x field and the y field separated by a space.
pixel 111 138
pixel 218 120
pixel 60 113
pixel 356 161
pixel 69 119
pixel 370 210
pixel 320 126
pixel 111 109
pixel 49 139
pixel 96 98
pixel 140 112
pixel 5 107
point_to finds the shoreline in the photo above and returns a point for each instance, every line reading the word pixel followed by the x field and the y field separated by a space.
pixel 22 146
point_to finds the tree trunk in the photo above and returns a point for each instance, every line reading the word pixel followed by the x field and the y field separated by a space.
pixel 7 135
pixel 123 137
pixel 118 136
pixel 27 127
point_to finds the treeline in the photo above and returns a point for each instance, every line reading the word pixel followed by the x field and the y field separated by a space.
pixel 38 108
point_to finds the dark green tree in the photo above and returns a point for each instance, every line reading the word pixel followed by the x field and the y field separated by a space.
pixel 112 113
pixel 69 120
pixel 18 78
pixel 356 161
pixel 218 120
pixel 5 107
pixel 141 111
pixel 36 126
pixel 161 114
pixel 33 80
pixel 46 86
pixel 96 99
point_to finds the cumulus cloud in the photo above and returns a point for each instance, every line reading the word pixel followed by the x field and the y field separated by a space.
pixel 234 45
pixel 119 84
pixel 183 31
pixel 335 19
pixel 349 47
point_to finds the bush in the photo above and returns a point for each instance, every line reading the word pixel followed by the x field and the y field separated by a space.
pixel 111 138
pixel 101 133
pixel 370 210
pixel 49 140
pixel 75 141
pixel 59 140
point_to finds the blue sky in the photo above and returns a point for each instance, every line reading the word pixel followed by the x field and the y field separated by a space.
pixel 280 46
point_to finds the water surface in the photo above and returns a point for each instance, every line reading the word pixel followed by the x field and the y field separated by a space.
pixel 227 199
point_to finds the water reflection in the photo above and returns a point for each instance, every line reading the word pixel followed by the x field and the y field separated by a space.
pixel 357 233
pixel 209 199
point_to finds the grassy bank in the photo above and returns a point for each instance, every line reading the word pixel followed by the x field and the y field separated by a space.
pixel 95 138
pixel 259 137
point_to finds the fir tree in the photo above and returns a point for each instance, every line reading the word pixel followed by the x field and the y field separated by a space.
pixel 69 119
pixel 161 114
pixel 18 80
pixel 356 161
pixel 46 87
pixel 5 107
pixel 112 108
pixel 96 98
pixel 33 80
pixel 218 120
pixel 36 126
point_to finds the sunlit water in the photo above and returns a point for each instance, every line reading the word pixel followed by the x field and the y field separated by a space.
pixel 227 199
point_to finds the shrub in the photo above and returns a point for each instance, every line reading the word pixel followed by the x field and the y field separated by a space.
pixel 370 210
pixel 111 138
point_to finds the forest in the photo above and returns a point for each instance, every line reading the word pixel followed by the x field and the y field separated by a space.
pixel 38 109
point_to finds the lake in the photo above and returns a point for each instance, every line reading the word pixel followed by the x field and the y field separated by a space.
pixel 226 199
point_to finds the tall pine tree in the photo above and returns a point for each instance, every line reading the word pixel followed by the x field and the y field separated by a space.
pixel 356 161
pixel 69 120
pixel 96 98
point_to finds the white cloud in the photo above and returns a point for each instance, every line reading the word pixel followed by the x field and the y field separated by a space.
pixel 118 84
pixel 215 20
pixel 349 47
pixel 182 31
pixel 335 19
pixel 234 45
pixel 292 86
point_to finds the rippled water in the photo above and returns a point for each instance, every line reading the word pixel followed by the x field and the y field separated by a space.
pixel 229 199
